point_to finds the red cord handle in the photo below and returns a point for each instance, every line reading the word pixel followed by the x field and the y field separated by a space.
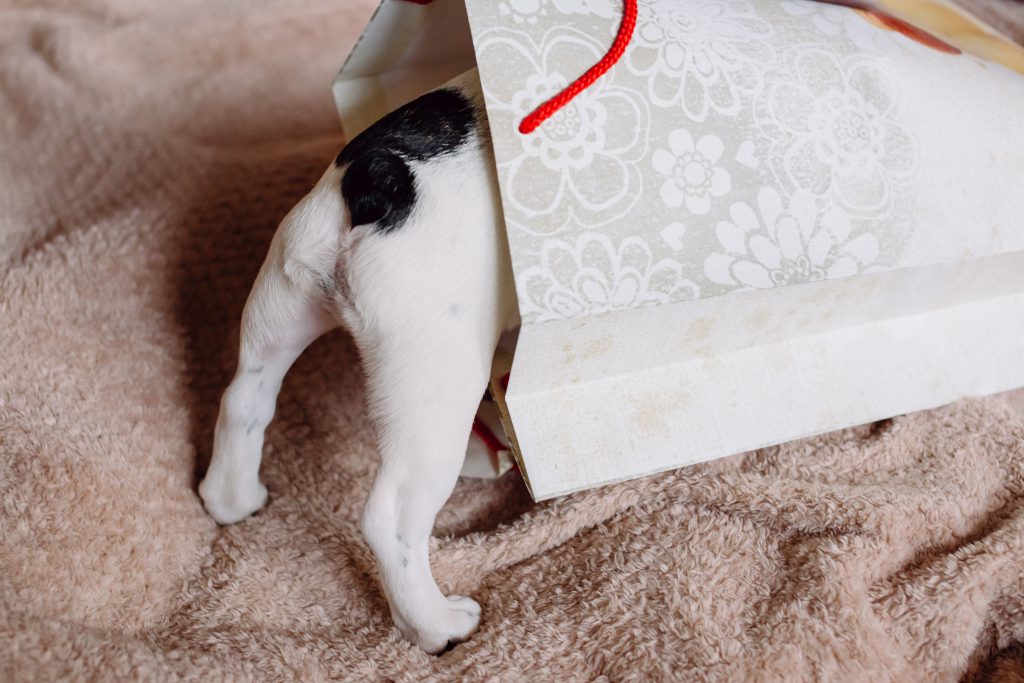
pixel 618 48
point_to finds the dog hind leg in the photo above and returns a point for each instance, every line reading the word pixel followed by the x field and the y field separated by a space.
pixel 287 309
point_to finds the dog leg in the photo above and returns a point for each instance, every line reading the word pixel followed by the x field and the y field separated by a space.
pixel 286 311
pixel 433 297
pixel 432 391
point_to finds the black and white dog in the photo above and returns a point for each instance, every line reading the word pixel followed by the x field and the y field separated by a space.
pixel 400 241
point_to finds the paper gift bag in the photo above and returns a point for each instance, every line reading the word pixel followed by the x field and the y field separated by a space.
pixel 767 220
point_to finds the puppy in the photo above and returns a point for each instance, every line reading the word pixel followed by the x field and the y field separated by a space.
pixel 402 242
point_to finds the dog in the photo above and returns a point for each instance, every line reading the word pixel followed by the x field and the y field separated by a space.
pixel 402 242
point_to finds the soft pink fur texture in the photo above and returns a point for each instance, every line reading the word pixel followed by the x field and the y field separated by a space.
pixel 147 151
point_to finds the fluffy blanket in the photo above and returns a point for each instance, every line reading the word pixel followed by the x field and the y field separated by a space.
pixel 147 151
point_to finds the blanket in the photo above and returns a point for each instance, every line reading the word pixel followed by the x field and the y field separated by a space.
pixel 147 151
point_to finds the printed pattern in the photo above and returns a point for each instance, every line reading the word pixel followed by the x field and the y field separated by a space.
pixel 773 244
pixel 738 144
pixel 691 171
pixel 593 275
pixel 702 55
pixel 835 129
pixel 531 11
pixel 577 170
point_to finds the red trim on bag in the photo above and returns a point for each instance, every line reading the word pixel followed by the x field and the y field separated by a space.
pixel 894 23
pixel 493 443
pixel 618 48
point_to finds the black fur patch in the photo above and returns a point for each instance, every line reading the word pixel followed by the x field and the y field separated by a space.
pixel 379 187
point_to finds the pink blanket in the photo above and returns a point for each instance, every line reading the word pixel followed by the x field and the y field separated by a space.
pixel 147 151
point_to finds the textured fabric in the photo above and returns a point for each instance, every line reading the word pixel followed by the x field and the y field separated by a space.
pixel 147 151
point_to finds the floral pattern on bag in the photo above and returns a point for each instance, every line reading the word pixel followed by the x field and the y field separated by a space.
pixel 692 176
pixel 836 129
pixel 702 55
pixel 737 144
pixel 775 244
pixel 577 169
pixel 594 275
pixel 532 11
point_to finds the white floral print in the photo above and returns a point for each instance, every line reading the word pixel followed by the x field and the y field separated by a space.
pixel 580 166
pixel 530 11
pixel 836 20
pixel 840 129
pixel 692 176
pixel 773 244
pixel 593 275
pixel 704 55
pixel 717 111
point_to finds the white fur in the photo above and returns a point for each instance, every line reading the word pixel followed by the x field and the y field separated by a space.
pixel 426 305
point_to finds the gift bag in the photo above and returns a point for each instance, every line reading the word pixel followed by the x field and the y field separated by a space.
pixel 766 220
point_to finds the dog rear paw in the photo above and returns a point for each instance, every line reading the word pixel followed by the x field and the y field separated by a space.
pixel 230 504
pixel 453 623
